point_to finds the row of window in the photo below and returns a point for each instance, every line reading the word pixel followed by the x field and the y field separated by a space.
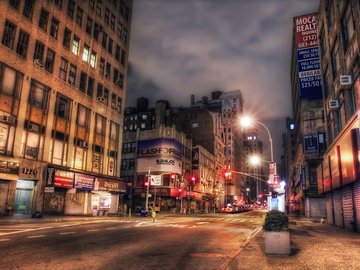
pixel 67 71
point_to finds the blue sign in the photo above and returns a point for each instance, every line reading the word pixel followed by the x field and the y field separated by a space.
pixel 311 145
pixel 309 73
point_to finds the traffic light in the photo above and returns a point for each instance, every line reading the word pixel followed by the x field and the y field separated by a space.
pixel 146 182
pixel 173 177
pixel 180 190
pixel 193 179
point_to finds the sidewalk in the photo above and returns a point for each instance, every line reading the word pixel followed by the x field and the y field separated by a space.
pixel 314 245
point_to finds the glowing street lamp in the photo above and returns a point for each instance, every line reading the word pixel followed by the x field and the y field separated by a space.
pixel 247 121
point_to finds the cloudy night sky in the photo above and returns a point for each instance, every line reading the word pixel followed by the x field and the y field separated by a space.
pixel 184 47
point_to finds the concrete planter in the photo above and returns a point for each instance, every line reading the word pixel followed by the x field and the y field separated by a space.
pixel 277 243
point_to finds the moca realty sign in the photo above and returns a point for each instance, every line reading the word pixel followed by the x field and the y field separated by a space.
pixel 162 154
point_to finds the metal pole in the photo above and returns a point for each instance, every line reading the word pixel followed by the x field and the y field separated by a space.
pixel 147 190
pixel 270 139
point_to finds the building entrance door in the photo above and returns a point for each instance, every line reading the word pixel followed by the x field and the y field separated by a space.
pixel 23 197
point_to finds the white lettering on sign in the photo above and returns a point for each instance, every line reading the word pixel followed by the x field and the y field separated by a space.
pixel 305 23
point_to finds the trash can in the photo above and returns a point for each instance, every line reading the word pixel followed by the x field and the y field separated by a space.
pixel 94 212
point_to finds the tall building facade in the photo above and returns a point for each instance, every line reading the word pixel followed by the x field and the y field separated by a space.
pixel 63 76
pixel 230 105
pixel 307 138
pixel 339 174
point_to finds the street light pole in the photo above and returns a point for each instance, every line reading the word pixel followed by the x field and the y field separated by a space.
pixel 270 139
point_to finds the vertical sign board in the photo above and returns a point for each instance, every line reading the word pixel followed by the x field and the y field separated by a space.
pixel 308 57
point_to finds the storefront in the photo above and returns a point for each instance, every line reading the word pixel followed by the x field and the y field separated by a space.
pixel 8 178
pixel 106 196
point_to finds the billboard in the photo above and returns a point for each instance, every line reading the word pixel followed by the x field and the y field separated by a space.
pixel 162 154
pixel 308 60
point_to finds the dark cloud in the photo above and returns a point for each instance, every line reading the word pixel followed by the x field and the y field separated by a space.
pixel 184 47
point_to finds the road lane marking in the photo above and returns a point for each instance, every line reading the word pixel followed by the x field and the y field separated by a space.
pixel 5 239
pixel 36 236
pixel 110 228
pixel 63 233
pixel 203 222
pixel 93 230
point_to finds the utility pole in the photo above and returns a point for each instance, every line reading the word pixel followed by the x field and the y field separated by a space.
pixel 147 189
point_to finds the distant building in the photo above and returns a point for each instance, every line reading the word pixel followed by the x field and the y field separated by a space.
pixel 62 91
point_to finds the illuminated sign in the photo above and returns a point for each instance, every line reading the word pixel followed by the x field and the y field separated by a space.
pixel 83 181
pixel 308 56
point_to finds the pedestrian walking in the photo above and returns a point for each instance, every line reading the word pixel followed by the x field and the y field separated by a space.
pixel 153 214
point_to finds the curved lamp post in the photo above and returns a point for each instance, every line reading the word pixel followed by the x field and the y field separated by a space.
pixel 246 121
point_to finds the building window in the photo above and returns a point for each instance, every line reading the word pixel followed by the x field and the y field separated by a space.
pixel 119 29
pixel 99 93
pixel 71 9
pixel 54 28
pixel 97 30
pixel 125 35
pixel 330 14
pixel 15 4
pixel 63 69
pixel 92 4
pixel 58 3
pixel 104 40
pixel 121 80
pixel 93 59
pixel 112 22
pixel 108 70
pixel 98 7
pixel 23 43
pixel 39 51
pixel 335 59
pixel 49 62
pixel 106 96
pixel 123 56
pixel 9 34
pixel 9 81
pixel 90 88
pixel 79 16
pixel 348 26
pixel 75 45
pixel 72 74
pixel 83 81
pixel 110 46
pixel 102 66
pixel 86 51
pixel 117 52
pixel 67 38
pixel 100 125
pixel 43 20
pixel 89 23
pixel 28 8
pixel 119 104
pixel 107 16
pixel 38 95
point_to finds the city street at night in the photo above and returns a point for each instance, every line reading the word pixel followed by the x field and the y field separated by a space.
pixel 171 242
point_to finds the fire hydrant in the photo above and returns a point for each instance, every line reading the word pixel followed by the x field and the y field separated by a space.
pixel 153 215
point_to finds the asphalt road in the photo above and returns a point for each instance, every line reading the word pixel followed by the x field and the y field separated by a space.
pixel 171 242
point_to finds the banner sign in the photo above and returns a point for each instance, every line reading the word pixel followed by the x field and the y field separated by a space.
pixel 311 145
pixel 109 185
pixel 195 158
pixel 83 181
pixel 308 56
pixel 162 154
pixel 63 179
pixel 155 180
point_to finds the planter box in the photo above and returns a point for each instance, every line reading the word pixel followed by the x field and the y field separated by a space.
pixel 277 243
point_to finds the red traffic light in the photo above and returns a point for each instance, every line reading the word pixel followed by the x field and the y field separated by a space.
pixel 146 183
pixel 173 176
pixel 180 190
pixel 193 179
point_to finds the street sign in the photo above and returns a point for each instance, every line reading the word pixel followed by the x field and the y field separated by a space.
pixel 155 180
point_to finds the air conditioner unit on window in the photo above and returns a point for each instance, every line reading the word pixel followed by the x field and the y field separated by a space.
pixel 333 104
pixel 101 99
pixel 38 62
pixel 34 127
pixel 7 119
pixel 346 81
pixel 83 144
